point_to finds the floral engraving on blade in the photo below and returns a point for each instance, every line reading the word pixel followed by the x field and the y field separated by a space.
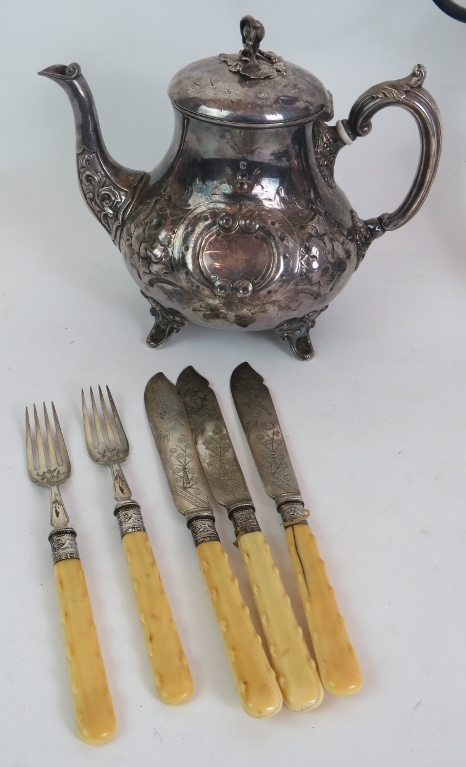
pixel 219 462
pixel 105 198
pixel 273 460
pixel 184 473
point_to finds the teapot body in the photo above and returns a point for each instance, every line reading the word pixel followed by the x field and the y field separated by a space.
pixel 243 228
pixel 242 225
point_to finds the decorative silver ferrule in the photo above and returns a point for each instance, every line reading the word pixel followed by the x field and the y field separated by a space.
pixel 129 518
pixel 293 513
pixel 244 521
pixel 64 545
pixel 203 530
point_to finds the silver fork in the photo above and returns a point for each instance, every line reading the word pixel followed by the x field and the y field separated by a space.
pixel 105 449
pixel 95 718
pixel 169 666
pixel 49 473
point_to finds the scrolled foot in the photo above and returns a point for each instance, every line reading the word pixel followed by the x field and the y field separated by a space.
pixel 296 332
pixel 166 322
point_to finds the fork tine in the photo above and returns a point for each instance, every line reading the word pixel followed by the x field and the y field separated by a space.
pixel 118 424
pixel 87 426
pixel 29 453
pixel 98 428
pixel 108 425
pixel 66 463
pixel 40 447
pixel 52 453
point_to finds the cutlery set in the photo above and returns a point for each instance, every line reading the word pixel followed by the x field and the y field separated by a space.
pixel 196 453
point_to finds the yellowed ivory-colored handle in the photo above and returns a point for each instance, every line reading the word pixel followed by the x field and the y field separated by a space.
pixel 170 668
pixel 254 679
pixel 336 658
pixel 95 718
pixel 295 669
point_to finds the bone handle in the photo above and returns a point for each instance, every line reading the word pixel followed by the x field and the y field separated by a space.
pixel 296 671
pixel 95 718
pixel 168 662
pixel 336 658
pixel 254 679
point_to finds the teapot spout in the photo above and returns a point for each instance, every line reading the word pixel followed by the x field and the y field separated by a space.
pixel 108 188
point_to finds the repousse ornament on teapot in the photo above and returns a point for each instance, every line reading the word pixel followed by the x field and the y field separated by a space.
pixel 242 226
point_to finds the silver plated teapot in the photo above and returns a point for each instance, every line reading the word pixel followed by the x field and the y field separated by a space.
pixel 242 226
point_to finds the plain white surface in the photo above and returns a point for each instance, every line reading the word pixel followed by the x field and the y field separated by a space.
pixel 376 423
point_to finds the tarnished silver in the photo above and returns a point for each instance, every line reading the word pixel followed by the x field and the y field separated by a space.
pixel 103 446
pixel 293 513
pixel 262 428
pixel 242 225
pixel 214 447
pixel 109 446
pixel 203 530
pixel 215 450
pixel 49 470
pixel 129 518
pixel 169 424
pixel 245 521
pixel 64 544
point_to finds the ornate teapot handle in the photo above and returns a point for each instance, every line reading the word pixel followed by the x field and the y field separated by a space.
pixel 409 94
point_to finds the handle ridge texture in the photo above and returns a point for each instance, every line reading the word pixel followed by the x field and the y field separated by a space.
pixel 170 669
pixel 95 718
pixel 336 658
pixel 295 669
pixel 409 94
pixel 255 681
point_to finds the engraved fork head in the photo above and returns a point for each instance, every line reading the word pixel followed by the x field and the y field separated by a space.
pixel 103 446
pixel 46 468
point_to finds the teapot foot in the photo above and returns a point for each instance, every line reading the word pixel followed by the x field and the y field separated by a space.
pixel 166 322
pixel 296 332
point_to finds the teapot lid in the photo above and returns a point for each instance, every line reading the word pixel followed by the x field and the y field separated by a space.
pixel 251 88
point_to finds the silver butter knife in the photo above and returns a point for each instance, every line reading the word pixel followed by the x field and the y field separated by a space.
pixel 336 658
pixel 254 679
pixel 290 658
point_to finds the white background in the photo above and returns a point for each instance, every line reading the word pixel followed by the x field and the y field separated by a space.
pixel 376 423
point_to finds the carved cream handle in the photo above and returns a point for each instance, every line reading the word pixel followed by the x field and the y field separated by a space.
pixel 95 718
pixel 289 656
pixel 168 662
pixel 254 679
pixel 336 658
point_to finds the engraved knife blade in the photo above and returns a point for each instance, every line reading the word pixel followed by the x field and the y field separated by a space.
pixel 262 428
pixel 289 656
pixel 213 443
pixel 336 657
pixel 255 681
pixel 175 444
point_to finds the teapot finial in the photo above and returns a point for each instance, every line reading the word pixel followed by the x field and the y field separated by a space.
pixel 252 62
